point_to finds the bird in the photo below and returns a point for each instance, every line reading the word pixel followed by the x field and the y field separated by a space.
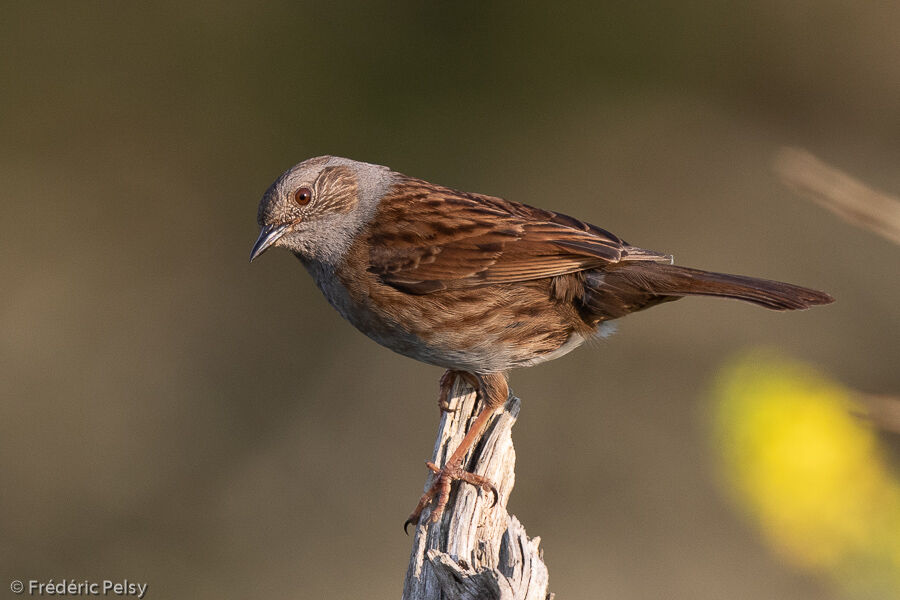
pixel 473 283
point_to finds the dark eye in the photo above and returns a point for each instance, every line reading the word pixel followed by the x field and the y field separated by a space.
pixel 303 196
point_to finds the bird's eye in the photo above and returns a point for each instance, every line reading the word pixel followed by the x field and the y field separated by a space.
pixel 303 196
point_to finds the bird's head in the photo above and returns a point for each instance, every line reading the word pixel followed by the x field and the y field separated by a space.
pixel 316 208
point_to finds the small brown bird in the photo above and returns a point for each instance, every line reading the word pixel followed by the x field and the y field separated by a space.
pixel 475 284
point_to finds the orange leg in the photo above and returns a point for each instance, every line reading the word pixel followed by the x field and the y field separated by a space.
pixel 492 388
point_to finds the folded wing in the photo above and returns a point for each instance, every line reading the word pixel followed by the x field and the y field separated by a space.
pixel 428 238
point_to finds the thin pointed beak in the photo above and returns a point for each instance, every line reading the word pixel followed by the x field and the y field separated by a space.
pixel 268 236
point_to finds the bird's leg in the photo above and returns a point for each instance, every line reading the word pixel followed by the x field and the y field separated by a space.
pixel 446 384
pixel 493 390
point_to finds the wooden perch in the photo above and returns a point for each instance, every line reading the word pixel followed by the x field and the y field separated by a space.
pixel 476 551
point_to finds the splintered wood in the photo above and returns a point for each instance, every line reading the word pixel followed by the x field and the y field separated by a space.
pixel 476 551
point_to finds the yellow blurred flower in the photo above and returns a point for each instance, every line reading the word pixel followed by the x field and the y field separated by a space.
pixel 808 471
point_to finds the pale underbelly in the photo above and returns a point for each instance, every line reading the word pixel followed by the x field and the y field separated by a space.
pixel 498 342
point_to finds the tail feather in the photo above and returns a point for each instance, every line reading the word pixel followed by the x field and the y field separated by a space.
pixel 638 285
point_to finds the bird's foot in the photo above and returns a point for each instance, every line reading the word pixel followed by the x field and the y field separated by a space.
pixel 446 385
pixel 439 492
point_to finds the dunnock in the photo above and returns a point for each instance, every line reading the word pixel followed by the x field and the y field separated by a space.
pixel 472 283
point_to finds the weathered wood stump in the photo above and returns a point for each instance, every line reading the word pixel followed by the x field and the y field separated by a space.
pixel 476 551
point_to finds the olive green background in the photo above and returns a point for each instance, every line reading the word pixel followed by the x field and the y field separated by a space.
pixel 171 415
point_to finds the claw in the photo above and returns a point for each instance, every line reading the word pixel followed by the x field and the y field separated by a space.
pixel 446 384
pixel 445 407
pixel 495 494
pixel 406 524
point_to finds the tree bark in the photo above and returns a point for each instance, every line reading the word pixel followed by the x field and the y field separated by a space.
pixel 476 551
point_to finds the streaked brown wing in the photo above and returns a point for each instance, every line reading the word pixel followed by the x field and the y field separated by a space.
pixel 427 238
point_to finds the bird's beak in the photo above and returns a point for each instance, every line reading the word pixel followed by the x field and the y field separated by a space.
pixel 268 236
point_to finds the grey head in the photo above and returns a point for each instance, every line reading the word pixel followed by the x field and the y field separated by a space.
pixel 316 208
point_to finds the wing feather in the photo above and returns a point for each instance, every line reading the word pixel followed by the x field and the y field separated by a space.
pixel 426 238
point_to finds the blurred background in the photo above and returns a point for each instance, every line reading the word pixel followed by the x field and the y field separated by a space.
pixel 171 415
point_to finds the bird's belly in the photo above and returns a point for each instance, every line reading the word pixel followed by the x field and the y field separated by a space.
pixel 482 330
pixel 469 349
pixel 465 348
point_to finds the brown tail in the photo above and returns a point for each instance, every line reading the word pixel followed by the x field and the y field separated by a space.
pixel 634 286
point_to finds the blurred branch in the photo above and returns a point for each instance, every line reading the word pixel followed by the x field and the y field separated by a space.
pixel 840 193
pixel 882 411
pixel 856 203
pixel 476 551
